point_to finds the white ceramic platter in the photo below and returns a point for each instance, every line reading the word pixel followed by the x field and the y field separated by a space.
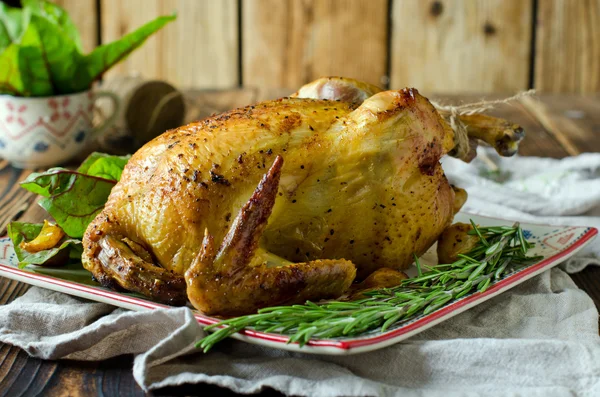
pixel 554 243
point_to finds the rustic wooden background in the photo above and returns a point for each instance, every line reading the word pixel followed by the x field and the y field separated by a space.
pixel 437 46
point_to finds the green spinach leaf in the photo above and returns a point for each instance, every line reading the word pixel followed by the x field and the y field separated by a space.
pixel 23 69
pixel 60 54
pixel 11 25
pixel 41 52
pixel 57 16
pixel 104 166
pixel 72 198
pixel 106 56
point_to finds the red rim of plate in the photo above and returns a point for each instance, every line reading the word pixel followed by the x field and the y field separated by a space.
pixel 340 344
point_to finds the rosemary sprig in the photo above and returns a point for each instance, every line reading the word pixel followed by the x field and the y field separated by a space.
pixel 500 250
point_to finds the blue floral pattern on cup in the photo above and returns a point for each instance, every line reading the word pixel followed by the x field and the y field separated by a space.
pixel 80 136
pixel 40 147
pixel 2 144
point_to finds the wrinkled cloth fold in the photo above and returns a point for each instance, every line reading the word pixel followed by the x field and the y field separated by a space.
pixel 538 339
pixel 536 190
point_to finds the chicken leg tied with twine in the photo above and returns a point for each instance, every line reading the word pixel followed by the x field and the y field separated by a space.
pixel 470 125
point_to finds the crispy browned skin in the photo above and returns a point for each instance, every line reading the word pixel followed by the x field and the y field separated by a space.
pixel 361 182
pixel 224 283
pixel 502 135
pixel 132 273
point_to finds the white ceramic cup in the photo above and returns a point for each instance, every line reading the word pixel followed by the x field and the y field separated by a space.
pixel 48 131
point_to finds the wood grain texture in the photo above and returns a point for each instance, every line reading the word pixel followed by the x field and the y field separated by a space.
pixel 199 49
pixel 84 15
pixel 289 43
pixel 567 56
pixel 573 120
pixel 537 142
pixel 541 113
pixel 461 45
pixel 13 199
pixel 21 375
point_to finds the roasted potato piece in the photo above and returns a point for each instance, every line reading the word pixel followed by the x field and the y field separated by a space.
pixel 455 240
pixel 460 198
pixel 49 237
pixel 381 278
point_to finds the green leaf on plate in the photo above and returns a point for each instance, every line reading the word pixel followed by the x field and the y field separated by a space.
pixel 68 247
pixel 72 198
pixel 49 183
pixel 104 165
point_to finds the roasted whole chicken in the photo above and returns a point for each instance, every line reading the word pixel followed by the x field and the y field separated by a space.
pixel 285 200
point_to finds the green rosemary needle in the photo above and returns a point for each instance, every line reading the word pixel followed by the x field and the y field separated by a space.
pixel 500 250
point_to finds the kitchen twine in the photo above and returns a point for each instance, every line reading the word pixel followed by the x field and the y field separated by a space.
pixel 452 115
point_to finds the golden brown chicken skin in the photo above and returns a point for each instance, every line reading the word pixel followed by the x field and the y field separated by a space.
pixel 223 282
pixel 341 187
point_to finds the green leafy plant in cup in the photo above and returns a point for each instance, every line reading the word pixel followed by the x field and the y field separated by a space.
pixel 41 52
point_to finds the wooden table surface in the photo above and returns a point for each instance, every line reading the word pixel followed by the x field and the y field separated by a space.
pixel 556 126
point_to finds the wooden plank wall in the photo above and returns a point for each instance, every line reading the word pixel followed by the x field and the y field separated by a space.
pixel 287 43
pixel 435 45
pixel 455 45
pixel 567 56
pixel 200 49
